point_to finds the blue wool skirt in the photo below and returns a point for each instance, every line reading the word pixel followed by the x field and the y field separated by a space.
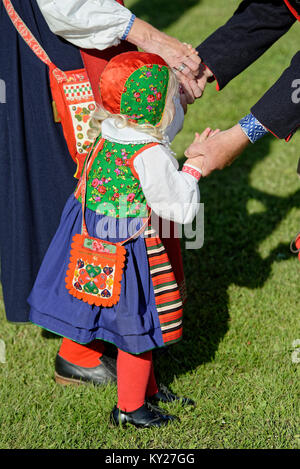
pixel 132 324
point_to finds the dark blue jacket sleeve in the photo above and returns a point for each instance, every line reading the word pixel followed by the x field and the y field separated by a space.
pixel 253 28
pixel 279 109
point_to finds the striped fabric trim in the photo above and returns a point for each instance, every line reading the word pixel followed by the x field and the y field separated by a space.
pixel 167 295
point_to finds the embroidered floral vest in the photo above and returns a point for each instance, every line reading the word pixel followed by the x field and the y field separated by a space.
pixel 113 187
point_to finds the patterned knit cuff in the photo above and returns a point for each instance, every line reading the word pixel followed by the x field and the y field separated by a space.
pixel 129 26
pixel 192 170
pixel 252 128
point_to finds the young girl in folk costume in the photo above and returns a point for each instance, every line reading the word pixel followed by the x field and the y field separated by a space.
pixel 136 303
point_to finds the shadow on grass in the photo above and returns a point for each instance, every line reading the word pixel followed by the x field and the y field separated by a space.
pixel 162 14
pixel 229 256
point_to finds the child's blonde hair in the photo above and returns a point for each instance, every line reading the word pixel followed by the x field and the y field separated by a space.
pixel 121 121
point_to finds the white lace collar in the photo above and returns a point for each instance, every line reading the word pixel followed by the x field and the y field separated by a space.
pixel 126 135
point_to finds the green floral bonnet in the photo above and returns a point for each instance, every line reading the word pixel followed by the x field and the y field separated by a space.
pixel 137 84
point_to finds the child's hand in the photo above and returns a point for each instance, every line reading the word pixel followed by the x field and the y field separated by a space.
pixel 218 151
pixel 200 138
pixel 207 133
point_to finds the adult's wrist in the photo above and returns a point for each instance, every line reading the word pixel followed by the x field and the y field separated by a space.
pixel 239 135
pixel 236 142
pixel 142 34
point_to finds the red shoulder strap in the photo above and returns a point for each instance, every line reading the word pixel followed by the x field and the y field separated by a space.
pixel 26 34
pixel 88 164
pixel 131 161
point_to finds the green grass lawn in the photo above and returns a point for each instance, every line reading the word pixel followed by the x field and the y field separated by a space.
pixel 244 292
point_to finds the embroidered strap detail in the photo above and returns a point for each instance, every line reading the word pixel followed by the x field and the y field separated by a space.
pixel 131 161
pixel 26 34
pixel 83 181
pixel 31 41
pixel 192 171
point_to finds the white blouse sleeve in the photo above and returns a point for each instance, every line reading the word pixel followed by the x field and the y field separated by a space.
pixel 90 24
pixel 172 194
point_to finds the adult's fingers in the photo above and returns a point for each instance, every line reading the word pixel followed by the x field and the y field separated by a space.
pixel 196 89
pixel 186 88
pixel 190 87
pixel 179 56
pixel 190 47
pixel 183 70
pixel 188 62
pixel 201 82
pixel 192 63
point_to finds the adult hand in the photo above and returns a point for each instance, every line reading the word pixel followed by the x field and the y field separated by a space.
pixel 194 88
pixel 178 55
pixel 218 151
pixel 189 88
pixel 200 138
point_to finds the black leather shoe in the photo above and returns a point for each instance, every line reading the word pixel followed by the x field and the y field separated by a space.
pixel 165 395
pixel 68 373
pixel 144 417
